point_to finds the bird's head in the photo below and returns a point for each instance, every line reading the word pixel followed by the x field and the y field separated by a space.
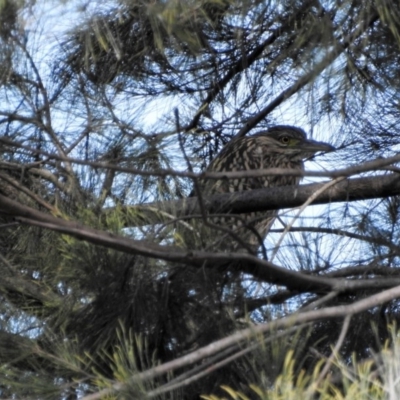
pixel 291 141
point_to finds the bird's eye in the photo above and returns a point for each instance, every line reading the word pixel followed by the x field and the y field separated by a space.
pixel 284 139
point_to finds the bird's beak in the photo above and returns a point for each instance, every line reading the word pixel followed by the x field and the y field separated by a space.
pixel 314 147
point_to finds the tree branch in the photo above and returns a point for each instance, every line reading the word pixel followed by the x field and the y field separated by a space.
pixel 337 50
pixel 268 199
pixel 246 334
pixel 377 239
pixel 260 269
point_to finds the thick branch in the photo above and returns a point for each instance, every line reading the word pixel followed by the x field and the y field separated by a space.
pixel 249 333
pixel 260 269
pixel 271 199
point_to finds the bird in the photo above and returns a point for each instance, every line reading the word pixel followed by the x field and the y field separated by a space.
pixel 281 146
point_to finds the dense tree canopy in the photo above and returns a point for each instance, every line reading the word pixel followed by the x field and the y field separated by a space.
pixel 111 283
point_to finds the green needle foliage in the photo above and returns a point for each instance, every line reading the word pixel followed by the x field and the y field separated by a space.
pixel 374 378
pixel 120 277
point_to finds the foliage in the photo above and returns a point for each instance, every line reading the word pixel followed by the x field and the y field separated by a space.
pixel 113 283
pixel 368 379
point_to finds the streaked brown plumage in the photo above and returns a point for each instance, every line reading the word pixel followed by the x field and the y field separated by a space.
pixel 278 147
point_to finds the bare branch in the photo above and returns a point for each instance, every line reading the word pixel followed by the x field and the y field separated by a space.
pixel 335 351
pixel 246 334
pixel 273 198
pixel 332 55
pixel 373 165
pixel 260 269
pixel 309 201
pixel 378 240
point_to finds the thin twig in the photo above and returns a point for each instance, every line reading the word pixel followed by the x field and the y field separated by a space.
pixel 319 302
pixel 290 321
pixel 373 165
pixel 330 57
pixel 211 365
pixel 335 351
pixel 301 209
pixel 341 232
pixel 199 194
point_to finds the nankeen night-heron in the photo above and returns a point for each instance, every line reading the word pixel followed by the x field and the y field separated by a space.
pixel 277 147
